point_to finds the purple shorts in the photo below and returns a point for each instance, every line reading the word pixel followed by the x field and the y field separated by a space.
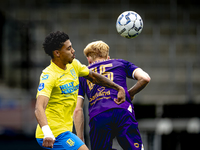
pixel 119 123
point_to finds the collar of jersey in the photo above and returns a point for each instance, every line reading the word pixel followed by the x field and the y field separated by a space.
pixel 56 68
pixel 98 61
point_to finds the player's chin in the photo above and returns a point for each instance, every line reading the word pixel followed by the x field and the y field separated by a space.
pixel 71 61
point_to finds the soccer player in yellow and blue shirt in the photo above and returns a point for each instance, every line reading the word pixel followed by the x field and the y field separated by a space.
pixel 57 94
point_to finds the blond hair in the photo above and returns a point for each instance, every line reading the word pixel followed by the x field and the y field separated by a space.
pixel 97 49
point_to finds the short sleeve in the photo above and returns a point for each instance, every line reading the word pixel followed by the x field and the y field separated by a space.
pixel 46 84
pixel 81 91
pixel 129 67
pixel 82 69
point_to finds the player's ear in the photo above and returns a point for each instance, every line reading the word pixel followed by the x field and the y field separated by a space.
pixel 56 53
pixel 89 60
pixel 108 57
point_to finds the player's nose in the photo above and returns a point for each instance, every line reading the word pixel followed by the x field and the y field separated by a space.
pixel 73 50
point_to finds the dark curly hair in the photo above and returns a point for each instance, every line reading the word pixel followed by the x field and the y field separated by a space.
pixel 54 41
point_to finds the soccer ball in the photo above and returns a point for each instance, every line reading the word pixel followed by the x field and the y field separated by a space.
pixel 129 24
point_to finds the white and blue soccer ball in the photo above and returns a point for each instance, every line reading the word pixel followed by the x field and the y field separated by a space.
pixel 129 24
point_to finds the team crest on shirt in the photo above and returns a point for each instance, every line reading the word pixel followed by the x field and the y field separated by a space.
pixel 70 142
pixel 73 73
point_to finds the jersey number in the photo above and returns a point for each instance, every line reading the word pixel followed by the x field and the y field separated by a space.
pixel 102 71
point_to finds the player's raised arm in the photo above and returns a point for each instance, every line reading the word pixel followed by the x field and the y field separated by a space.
pixel 103 81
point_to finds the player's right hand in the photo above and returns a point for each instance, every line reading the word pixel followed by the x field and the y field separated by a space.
pixel 121 96
pixel 48 142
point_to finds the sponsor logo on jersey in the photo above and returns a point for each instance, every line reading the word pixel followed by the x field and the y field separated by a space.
pixel 70 142
pixel 45 77
pixel 136 145
pixel 41 87
pixel 69 88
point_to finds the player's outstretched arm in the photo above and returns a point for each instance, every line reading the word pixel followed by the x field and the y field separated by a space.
pixel 40 115
pixel 103 81
pixel 79 118
pixel 142 80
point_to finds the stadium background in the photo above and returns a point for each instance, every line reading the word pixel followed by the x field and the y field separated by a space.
pixel 168 49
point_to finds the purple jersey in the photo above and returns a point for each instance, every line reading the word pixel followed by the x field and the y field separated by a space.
pixel 102 98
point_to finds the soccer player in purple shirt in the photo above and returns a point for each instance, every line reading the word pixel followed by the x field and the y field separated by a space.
pixel 108 118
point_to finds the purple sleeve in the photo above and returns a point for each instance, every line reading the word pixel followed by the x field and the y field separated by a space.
pixel 129 67
pixel 81 91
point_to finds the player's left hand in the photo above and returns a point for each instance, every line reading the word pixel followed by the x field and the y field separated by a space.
pixel 132 97
pixel 121 96
pixel 48 142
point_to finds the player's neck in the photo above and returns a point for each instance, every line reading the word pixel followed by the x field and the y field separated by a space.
pixel 90 60
pixel 59 64
pixel 99 59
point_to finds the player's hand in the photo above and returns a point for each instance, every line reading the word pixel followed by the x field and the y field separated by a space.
pixel 121 96
pixel 48 142
pixel 132 96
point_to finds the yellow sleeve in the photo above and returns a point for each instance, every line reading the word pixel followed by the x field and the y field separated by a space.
pixel 46 84
pixel 82 69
